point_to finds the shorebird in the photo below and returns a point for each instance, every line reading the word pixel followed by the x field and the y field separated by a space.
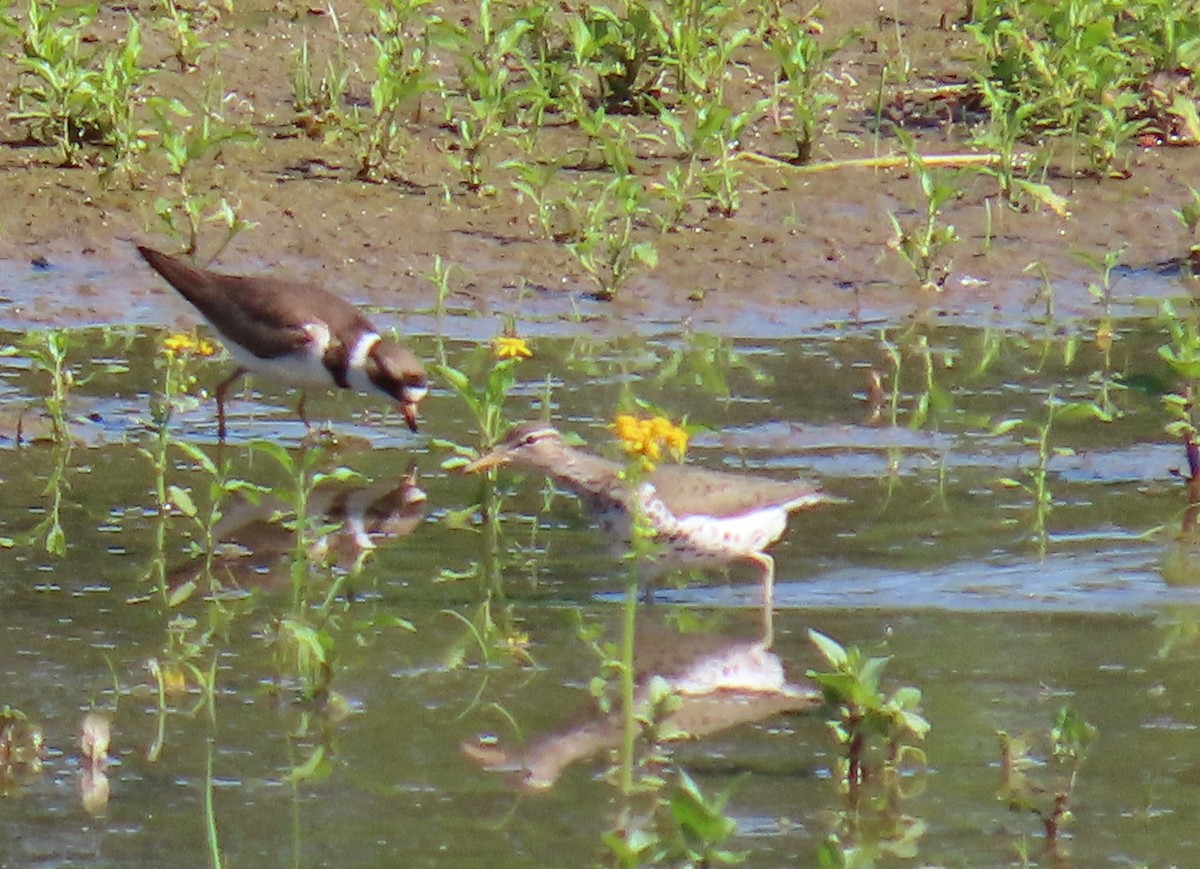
pixel 297 333
pixel 699 517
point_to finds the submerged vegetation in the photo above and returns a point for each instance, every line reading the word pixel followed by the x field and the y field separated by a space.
pixel 273 575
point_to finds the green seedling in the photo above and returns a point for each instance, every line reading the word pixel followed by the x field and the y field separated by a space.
pixel 701 37
pixel 1045 785
pixel 706 132
pixel 401 76
pixel 624 53
pixel 1077 69
pixel 179 25
pixel 184 145
pixel 921 242
pixel 1037 482
pixel 319 103
pixel 1188 216
pixel 68 100
pixel 607 246
pixel 861 712
pixel 801 81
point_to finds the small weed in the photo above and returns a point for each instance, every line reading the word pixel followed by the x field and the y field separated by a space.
pixel 495 366
pixel 401 76
pixel 800 94
pixel 1037 483
pixel 319 103
pixel 1045 786
pixel 1188 216
pixel 921 242
pixel 179 25
pixel 607 247
pixel 183 145
pixel 862 712
pixel 68 100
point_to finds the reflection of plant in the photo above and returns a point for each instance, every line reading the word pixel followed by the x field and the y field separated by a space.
pixel 1045 786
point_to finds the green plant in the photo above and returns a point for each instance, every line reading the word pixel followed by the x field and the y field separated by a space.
pixel 319 103
pixel 68 100
pixel 483 382
pixel 706 131
pixel 861 712
pixel 183 145
pixel 623 52
pixel 1188 216
pixel 1045 786
pixel 1076 69
pixel 1037 484
pixel 400 77
pixel 920 242
pixel 485 103
pixel 1182 355
pixel 800 79
pixel 607 247
pixel 178 25
pixel 701 37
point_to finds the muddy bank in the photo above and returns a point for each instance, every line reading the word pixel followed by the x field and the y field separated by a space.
pixel 804 250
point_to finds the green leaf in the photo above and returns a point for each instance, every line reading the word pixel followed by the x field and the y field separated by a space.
pixel 182 499
pixel 829 648
pixel 198 456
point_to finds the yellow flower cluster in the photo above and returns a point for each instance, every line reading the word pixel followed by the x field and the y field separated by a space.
pixel 182 344
pixel 648 438
pixel 511 347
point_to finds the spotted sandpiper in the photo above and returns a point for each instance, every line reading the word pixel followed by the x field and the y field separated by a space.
pixel 297 333
pixel 699 517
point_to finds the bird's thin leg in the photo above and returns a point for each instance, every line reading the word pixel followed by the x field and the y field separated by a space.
pixel 300 410
pixel 221 389
pixel 767 564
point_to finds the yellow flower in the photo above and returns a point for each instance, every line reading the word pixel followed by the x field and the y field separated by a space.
pixel 511 347
pixel 181 344
pixel 648 438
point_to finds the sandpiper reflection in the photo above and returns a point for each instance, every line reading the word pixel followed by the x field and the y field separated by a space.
pixel 720 683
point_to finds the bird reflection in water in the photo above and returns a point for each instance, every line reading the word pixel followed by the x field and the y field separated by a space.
pixel 256 543
pixel 719 683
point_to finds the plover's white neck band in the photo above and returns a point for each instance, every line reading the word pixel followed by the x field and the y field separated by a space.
pixel 362 349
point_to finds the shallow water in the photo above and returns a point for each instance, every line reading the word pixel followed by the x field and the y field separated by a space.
pixel 936 561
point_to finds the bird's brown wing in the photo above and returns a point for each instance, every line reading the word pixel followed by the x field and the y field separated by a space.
pixel 687 491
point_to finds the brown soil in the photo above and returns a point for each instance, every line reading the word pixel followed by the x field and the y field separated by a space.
pixel 804 250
